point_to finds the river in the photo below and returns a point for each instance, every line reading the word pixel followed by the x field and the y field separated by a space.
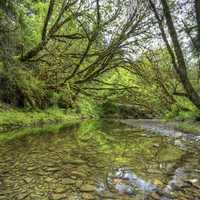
pixel 98 160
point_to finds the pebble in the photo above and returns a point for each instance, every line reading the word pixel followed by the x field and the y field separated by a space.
pixel 156 145
pixel 155 196
pixel 49 179
pixel 22 196
pixel 88 188
pixel 52 169
pixel 76 174
pixel 68 181
pixel 31 168
pixel 28 179
pixel 193 181
pixel 60 190
pixel 58 196
pixel 88 196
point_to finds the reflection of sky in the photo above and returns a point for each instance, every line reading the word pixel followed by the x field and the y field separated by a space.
pixel 128 182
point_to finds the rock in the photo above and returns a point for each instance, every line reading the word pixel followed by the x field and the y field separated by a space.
pixel 157 182
pixel 156 145
pixel 28 179
pixel 60 190
pixel 107 195
pixel 49 179
pixel 88 188
pixel 76 162
pixel 58 196
pixel 50 164
pixel 192 181
pixel 2 197
pixel 72 197
pixel 22 196
pixel 31 168
pixel 52 169
pixel 76 174
pixel 183 198
pixel 68 181
pixel 196 186
pixel 79 183
pixel 88 196
pixel 155 196
pixel 37 196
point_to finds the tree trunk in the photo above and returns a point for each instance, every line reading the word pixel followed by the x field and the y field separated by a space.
pixel 197 13
pixel 181 69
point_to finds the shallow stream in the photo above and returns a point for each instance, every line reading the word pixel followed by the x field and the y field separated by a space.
pixel 98 160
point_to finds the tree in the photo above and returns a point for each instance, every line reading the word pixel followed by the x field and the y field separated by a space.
pixel 74 42
pixel 177 55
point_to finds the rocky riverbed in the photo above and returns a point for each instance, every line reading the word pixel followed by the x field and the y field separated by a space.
pixel 99 160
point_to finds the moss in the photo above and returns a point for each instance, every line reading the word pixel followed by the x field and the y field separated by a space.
pixel 189 127
pixel 13 118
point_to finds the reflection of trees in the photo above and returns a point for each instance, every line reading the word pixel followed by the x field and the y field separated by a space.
pixel 115 148
pixel 148 157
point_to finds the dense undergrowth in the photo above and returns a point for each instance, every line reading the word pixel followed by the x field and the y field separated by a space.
pixel 187 116
pixel 13 118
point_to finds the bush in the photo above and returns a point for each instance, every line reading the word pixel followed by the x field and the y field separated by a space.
pixel 19 88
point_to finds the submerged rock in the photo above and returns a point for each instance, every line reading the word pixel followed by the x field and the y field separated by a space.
pixel 88 188
pixel 88 196
pixel 28 179
pixel 59 190
pixel 22 196
pixel 77 174
pixel 58 196
pixel 31 168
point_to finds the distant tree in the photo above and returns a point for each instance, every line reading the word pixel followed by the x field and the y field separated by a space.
pixel 176 53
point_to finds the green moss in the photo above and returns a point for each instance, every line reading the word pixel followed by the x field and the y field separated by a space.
pixel 189 127
pixel 13 118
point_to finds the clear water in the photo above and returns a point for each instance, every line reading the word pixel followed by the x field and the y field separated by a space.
pixel 96 160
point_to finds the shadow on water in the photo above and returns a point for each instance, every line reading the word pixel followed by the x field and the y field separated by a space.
pixel 95 160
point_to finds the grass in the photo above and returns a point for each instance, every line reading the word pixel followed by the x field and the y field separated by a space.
pixel 13 118
pixel 189 127
pixel 188 121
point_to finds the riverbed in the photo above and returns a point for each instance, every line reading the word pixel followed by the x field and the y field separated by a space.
pixel 99 160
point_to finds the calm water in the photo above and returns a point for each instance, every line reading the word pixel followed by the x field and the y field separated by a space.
pixel 97 160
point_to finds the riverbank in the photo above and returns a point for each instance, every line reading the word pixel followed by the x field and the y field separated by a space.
pixel 192 127
pixel 168 128
pixel 11 119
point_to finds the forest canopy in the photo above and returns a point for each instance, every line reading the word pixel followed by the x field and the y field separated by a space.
pixel 101 55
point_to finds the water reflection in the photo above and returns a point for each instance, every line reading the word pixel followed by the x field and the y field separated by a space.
pixel 81 161
pixel 125 181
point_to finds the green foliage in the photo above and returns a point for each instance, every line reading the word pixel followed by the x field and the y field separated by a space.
pixel 14 118
pixel 87 107
pixel 109 108
pixel 70 72
pixel 32 17
pixel 190 127
pixel 183 109
pixel 19 87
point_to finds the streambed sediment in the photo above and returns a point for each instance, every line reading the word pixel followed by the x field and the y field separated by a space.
pixel 99 160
